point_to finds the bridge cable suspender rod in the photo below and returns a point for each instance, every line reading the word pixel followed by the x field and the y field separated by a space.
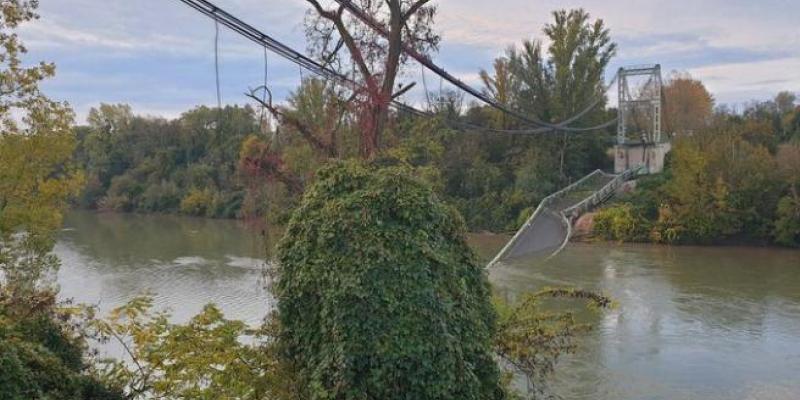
pixel 248 31
pixel 426 61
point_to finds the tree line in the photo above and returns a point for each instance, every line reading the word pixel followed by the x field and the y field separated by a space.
pixel 236 163
pixel 732 177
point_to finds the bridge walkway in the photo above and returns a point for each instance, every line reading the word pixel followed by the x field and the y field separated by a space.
pixel 548 230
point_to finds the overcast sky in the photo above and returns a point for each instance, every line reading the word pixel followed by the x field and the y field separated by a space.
pixel 157 55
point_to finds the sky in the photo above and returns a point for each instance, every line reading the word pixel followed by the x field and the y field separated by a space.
pixel 158 55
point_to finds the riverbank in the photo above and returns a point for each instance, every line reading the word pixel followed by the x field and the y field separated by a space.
pixel 585 231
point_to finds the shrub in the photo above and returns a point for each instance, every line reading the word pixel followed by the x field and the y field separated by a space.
pixel 198 202
pixel 115 203
pixel 164 196
pixel 41 353
pixel 621 223
pixel 787 225
pixel 379 296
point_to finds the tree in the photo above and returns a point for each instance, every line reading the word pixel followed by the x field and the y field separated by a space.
pixel 379 296
pixel 785 102
pixel 36 143
pixel 41 350
pixel 138 163
pixel 568 81
pixel 579 52
pixel 531 338
pixel 534 77
pixel 375 62
pixel 552 84
pixel 787 224
pixel 688 106
pixel 501 88
pixel 317 112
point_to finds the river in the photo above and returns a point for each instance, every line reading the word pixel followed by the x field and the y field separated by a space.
pixel 690 322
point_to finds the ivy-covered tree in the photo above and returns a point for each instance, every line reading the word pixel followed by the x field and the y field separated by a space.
pixel 379 296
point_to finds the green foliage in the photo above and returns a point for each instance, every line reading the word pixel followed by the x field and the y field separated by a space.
pixel 494 179
pixel 620 223
pixel 379 296
pixel 41 352
pixel 36 177
pixel 719 189
pixel 532 337
pixel 144 164
pixel 205 358
pixel 41 349
pixel 723 184
pixel 787 225
pixel 198 202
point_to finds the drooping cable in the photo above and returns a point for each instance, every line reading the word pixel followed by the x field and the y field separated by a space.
pixel 426 61
pixel 216 64
pixel 222 17
pixel 264 98
pixel 425 87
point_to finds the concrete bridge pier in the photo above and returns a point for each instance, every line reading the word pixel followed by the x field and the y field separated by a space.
pixel 633 155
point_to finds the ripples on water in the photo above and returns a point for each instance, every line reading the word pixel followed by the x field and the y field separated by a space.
pixel 691 323
pixel 184 263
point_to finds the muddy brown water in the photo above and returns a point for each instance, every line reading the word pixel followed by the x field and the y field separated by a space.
pixel 690 322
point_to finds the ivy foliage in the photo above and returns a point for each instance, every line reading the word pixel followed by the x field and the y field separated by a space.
pixel 379 296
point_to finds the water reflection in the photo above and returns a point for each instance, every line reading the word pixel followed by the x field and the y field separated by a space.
pixel 691 323
pixel 183 262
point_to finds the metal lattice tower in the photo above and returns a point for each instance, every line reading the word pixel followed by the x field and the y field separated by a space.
pixel 640 90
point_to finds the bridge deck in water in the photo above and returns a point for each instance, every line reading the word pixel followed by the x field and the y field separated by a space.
pixel 548 230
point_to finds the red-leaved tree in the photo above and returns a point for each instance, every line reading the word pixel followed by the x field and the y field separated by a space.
pixel 359 51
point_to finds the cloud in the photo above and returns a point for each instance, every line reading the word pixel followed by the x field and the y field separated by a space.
pixel 739 82
pixel 643 29
pixel 158 54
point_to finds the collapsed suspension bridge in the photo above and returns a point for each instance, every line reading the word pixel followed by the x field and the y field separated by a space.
pixel 549 229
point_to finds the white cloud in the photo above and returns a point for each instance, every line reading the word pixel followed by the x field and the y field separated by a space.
pixel 742 49
pixel 735 83
pixel 767 25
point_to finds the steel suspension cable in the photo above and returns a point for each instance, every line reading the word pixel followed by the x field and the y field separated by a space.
pixel 216 64
pixel 221 16
pixel 426 61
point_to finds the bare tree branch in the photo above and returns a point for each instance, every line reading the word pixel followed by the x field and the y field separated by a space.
pixel 318 145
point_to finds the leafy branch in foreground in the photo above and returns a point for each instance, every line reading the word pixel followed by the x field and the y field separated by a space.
pixel 531 340
pixel 209 357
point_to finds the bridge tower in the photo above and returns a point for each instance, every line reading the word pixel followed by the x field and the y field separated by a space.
pixel 639 135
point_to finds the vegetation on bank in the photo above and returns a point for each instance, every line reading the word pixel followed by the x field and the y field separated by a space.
pixel 187 165
pixel 731 179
